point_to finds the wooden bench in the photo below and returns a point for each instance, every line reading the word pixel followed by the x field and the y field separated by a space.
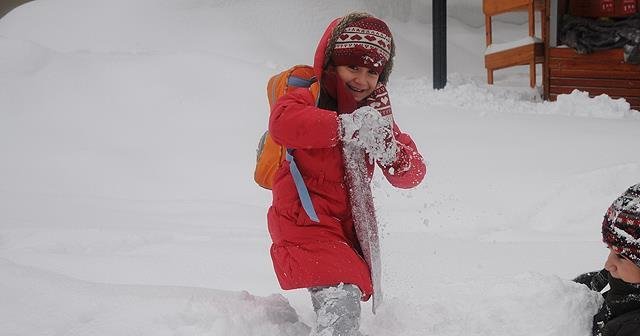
pixel 529 52
pixel 597 73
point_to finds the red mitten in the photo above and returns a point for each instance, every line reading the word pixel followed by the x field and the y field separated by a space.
pixel 403 159
pixel 337 89
pixel 379 100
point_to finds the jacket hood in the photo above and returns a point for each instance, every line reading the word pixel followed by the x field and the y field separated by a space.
pixel 321 50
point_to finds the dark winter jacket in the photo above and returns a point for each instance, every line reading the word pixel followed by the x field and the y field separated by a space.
pixel 620 312
pixel 308 254
pixel 588 35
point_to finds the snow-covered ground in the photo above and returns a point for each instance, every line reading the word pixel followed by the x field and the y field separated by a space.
pixel 127 205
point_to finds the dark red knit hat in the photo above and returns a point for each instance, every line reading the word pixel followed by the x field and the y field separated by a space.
pixel 366 42
pixel 621 225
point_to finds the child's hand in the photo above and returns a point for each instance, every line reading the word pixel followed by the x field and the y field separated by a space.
pixel 594 280
pixel 369 130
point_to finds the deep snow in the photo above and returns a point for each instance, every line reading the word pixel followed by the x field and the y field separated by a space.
pixel 127 137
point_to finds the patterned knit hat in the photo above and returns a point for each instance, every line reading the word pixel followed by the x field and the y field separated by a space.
pixel 621 225
pixel 363 40
pixel 366 42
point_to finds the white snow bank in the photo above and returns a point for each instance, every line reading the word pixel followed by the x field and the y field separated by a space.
pixel 466 93
pixel 579 104
pixel 529 304
pixel 19 57
pixel 128 130
pixel 41 303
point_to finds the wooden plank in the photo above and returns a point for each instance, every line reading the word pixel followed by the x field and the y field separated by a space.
pixel 634 102
pixel 599 82
pixel 601 55
pixel 592 64
pixel 496 7
pixel 515 56
pixel 492 7
pixel 601 72
pixel 604 73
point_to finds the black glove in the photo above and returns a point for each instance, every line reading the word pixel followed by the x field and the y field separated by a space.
pixel 594 280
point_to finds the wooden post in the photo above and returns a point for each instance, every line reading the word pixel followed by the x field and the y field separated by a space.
pixel 487 33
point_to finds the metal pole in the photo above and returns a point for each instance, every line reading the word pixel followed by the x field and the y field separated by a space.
pixel 439 43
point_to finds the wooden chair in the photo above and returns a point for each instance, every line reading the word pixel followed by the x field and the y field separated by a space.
pixel 529 50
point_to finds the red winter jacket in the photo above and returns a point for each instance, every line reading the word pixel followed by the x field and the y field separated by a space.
pixel 304 253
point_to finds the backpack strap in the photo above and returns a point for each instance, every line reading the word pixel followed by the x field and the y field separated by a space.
pixel 296 81
pixel 303 192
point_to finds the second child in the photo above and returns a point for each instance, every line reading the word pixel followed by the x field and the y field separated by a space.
pixel 620 312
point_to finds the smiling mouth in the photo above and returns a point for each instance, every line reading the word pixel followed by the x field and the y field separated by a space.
pixel 354 89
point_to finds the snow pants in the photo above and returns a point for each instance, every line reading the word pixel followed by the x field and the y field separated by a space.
pixel 337 310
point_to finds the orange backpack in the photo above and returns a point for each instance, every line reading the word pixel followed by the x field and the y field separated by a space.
pixel 270 154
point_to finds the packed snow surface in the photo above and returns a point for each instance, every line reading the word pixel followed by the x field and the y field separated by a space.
pixel 127 144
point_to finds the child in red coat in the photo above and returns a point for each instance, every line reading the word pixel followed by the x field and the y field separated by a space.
pixel 321 252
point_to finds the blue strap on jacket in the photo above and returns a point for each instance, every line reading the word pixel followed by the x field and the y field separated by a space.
pixel 300 82
pixel 303 192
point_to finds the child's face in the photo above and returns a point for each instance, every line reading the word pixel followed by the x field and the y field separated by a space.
pixel 360 81
pixel 621 267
